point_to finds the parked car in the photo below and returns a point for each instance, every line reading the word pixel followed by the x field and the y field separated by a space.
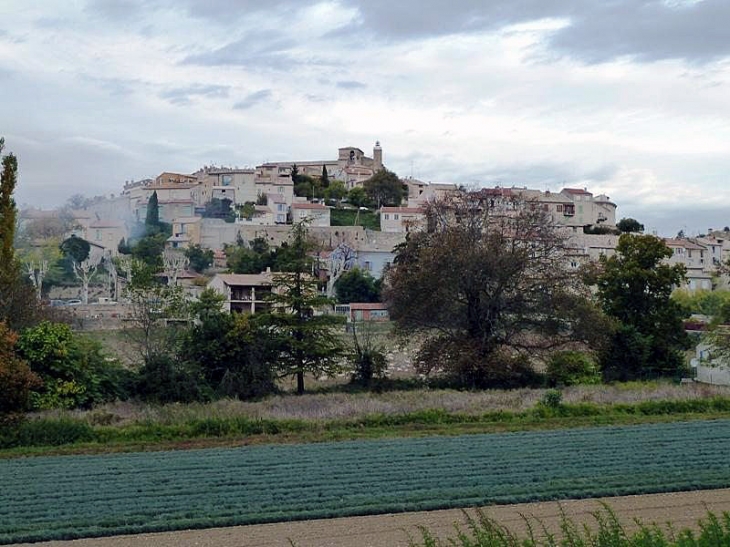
pixel 73 302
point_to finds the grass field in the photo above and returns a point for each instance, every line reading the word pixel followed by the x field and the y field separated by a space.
pixel 87 496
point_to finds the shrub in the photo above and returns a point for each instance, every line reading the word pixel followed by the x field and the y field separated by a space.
pixel 569 368
pixel 16 378
pixel 165 379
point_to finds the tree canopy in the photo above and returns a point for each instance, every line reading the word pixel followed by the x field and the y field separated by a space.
pixel 634 288
pixel 306 340
pixel 357 286
pixel 629 225
pixel 485 285
pixel 385 188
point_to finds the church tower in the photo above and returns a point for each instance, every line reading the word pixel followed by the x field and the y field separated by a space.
pixel 377 157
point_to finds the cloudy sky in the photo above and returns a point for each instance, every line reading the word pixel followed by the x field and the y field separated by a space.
pixel 624 97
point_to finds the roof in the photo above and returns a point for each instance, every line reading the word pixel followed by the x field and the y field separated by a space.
pixel 186 220
pixel 106 224
pixel 173 201
pixel 246 279
pixel 317 206
pixel 368 306
pixel 576 191
pixel 173 186
pixel 685 244
pixel 402 210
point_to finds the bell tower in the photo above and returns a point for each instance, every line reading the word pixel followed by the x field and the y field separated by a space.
pixel 378 156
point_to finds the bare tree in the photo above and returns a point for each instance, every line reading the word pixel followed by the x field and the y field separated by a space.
pixel 174 263
pixel 111 269
pixel 85 271
pixel 36 273
pixel 339 261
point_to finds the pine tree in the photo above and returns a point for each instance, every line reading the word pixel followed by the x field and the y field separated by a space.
pixel 325 180
pixel 8 180
pixel 306 341
pixel 152 222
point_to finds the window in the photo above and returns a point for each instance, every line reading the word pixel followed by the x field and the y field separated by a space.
pixel 226 180
pixel 559 208
pixel 387 216
pixel 98 235
pixel 368 266
pixel 281 189
pixel 395 216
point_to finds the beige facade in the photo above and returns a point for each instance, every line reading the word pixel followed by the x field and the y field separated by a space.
pixel 238 185
pixel 420 193
pixel 402 219
pixel 244 293
pixel 185 232
pixel 106 234
pixel 315 214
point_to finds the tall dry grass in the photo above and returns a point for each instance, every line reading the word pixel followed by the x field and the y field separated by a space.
pixel 330 406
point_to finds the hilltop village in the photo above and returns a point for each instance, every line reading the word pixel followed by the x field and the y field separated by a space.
pixel 217 208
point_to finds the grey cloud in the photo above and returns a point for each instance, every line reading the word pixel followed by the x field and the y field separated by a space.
pixel 599 30
pixel 348 84
pixel 118 10
pixel 648 31
pixel 253 99
pixel 183 95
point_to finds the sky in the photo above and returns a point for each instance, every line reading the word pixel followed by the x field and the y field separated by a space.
pixel 623 97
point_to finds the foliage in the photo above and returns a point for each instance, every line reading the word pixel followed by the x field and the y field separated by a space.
pixel 354 217
pixel 305 340
pixel 200 259
pixel 149 250
pixel 166 379
pixel 634 288
pixel 324 179
pixel 355 285
pixel 368 358
pixel 629 225
pixel 220 208
pixel 358 197
pixel 569 368
pixel 157 313
pixel 600 230
pixel 234 354
pixel 264 483
pixel 607 531
pixel 335 191
pixel 711 303
pixel 486 291
pixel 8 211
pixel 16 379
pixel 384 188
pixel 152 220
pixel 19 305
pixel 74 370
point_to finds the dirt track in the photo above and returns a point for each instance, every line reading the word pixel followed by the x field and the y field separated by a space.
pixel 683 509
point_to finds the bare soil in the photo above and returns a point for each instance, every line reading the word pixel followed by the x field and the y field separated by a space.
pixel 682 509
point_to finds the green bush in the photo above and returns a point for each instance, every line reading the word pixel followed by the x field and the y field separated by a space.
pixel 42 432
pixel 569 368
pixel 166 379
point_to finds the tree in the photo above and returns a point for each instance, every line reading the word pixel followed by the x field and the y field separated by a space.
pixel 152 305
pixel 19 306
pixel 385 188
pixel 234 354
pixel 629 225
pixel 74 370
pixel 487 288
pixel 200 259
pixel 336 191
pixel 85 271
pixel 634 288
pixel 76 248
pixel 305 340
pixel 357 196
pixel 174 262
pixel 356 286
pixel 152 221
pixel 325 180
pixel 17 381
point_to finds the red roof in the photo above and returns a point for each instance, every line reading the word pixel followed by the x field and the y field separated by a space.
pixel 368 306
pixel 308 206
pixel 576 191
